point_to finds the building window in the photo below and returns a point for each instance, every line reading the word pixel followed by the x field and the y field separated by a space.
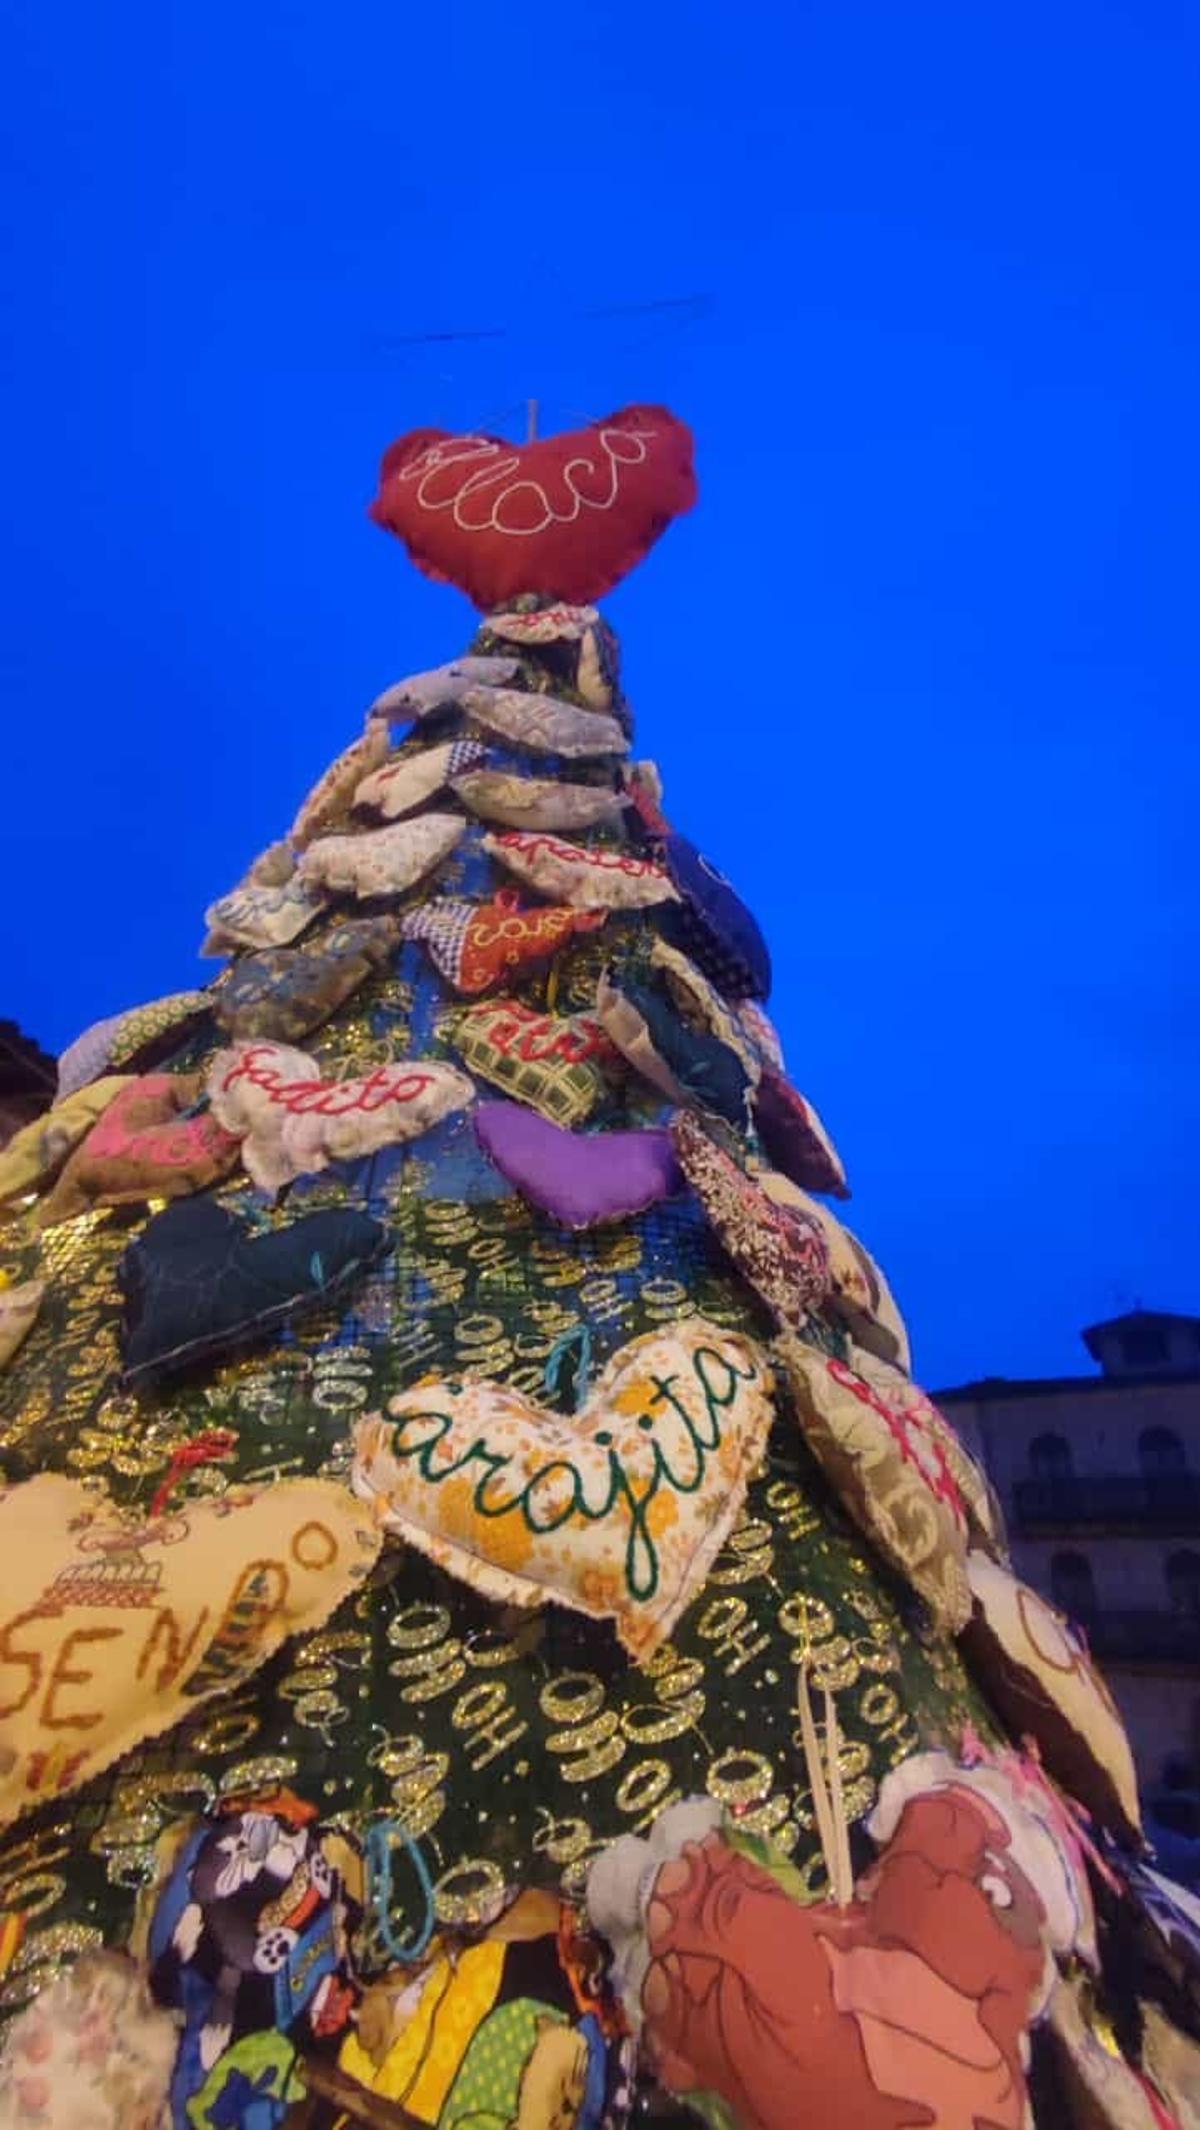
pixel 1144 1346
pixel 1073 1585
pixel 1160 1453
pixel 1050 1457
pixel 1183 1582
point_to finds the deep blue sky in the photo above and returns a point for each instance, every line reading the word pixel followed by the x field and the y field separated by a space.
pixel 921 670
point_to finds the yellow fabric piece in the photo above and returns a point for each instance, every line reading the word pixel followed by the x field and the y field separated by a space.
pixel 617 1512
pixel 143 1024
pixel 111 1631
pixel 35 1154
pixel 421 2065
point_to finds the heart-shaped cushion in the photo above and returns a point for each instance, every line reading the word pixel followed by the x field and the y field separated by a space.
pixel 132 1041
pixel 415 775
pixel 381 861
pixel 115 1630
pixel 617 1512
pixel 18 1310
pixel 333 793
pixel 590 878
pixel 782 1253
pixel 35 1154
pixel 282 993
pixel 579 1178
pixel 878 1445
pixel 257 916
pixel 699 1003
pixel 479 944
pixel 293 1123
pixel 91 2051
pixel 1036 1669
pixel 542 724
pixel 536 802
pixel 554 1061
pixel 685 1064
pixel 713 925
pixel 197 1282
pixel 571 643
pixel 795 1138
pixel 421 694
pixel 567 515
pixel 145 1145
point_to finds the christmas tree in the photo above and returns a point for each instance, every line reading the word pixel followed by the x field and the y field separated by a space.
pixel 466 1499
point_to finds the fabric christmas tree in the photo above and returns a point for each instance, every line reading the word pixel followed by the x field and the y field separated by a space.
pixel 466 1496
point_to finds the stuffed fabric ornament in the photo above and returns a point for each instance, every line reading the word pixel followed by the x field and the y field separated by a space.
pixel 381 861
pixel 131 1041
pixel 567 516
pixel 262 916
pixel 1036 1670
pixel 781 1253
pixel 335 792
pixel 580 1179
pixel 199 1285
pixel 477 945
pixel 18 1314
pixel 114 1630
pixel 713 925
pixel 685 1064
pixel 909 2003
pixel 251 1937
pixel 91 2051
pixel 415 776
pixel 145 1145
pixel 891 1470
pixel 294 1123
pixel 616 1512
pixel 508 2029
pixel 701 1005
pixel 558 1063
pixel 570 640
pixel 541 724
pixel 536 802
pixel 588 876
pixel 283 993
pixel 794 1137
pixel 442 686
pixel 34 1156
pixel 858 1295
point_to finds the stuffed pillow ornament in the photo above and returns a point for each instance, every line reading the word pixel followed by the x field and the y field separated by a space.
pixel 685 1064
pixel 416 775
pixel 132 1041
pixel 147 1144
pixel 567 516
pixel 125 1627
pixel 35 1154
pixel 884 1451
pixel 783 1254
pixel 573 645
pixel 199 1284
pixel 579 1178
pixel 334 794
pixel 589 877
pixel 442 687
pixel 479 944
pixel 794 1138
pixel 91 2051
pixel 283 993
pixel 255 916
pixel 713 925
pixel 541 724
pixel 293 1123
pixel 528 1506
pixel 536 802
pixel 1035 1668
pixel 381 861
pixel 558 1063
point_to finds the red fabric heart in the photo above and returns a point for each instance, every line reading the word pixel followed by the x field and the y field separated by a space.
pixel 567 516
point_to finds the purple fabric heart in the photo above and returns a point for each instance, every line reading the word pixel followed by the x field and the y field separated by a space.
pixel 579 1178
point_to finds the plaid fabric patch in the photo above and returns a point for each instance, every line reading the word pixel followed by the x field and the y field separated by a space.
pixel 551 1061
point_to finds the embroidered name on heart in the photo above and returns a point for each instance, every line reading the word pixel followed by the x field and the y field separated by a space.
pixel 293 1123
pixel 590 878
pixel 476 944
pixel 617 1512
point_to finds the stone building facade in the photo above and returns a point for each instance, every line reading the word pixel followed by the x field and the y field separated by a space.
pixel 1099 1480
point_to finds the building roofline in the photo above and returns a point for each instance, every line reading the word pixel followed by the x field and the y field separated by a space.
pixel 995 1388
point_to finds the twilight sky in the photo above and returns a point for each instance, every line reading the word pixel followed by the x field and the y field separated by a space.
pixel 921 671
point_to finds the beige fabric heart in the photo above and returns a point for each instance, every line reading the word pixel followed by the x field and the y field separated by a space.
pixel 536 802
pixel 336 790
pixel 587 877
pixel 112 1631
pixel 616 1512
pixel 381 861
pixel 293 1123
